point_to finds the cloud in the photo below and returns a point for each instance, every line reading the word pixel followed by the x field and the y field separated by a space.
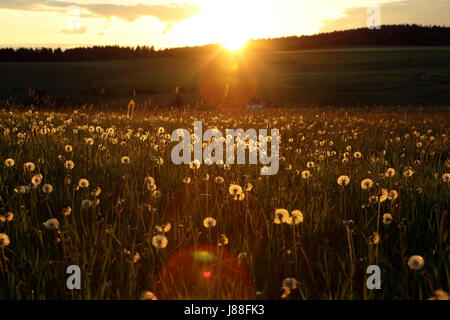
pixel 170 13
pixel 81 30
pixel 425 12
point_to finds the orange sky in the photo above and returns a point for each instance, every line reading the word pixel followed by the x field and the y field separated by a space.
pixel 195 22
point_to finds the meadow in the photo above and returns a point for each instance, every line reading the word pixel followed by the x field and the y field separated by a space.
pixel 356 187
pixel 348 76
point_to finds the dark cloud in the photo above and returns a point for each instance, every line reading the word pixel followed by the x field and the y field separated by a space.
pixel 165 13
pixel 424 12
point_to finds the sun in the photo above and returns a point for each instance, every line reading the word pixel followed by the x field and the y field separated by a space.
pixel 234 43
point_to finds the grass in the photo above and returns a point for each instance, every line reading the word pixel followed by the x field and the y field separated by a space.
pixel 360 76
pixel 112 238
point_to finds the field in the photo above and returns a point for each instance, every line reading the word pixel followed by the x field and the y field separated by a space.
pixel 360 76
pixel 359 187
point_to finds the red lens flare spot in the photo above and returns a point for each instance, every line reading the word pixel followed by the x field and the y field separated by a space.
pixel 206 274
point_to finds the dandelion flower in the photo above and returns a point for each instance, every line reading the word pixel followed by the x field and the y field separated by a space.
pixel 357 155
pixel 281 215
pixel 36 180
pixel 387 218
pixel 306 174
pixel 223 240
pixel 67 211
pixel 390 172
pixel 235 189
pixel 296 217
pixel 9 162
pixel 439 295
pixel 159 241
pixel 218 180
pixel 47 188
pixel 29 166
pixel 416 262
pixel 343 180
pixel 392 195
pixel 209 222
pixel 68 148
pixel 83 183
pixel 446 177
pixel 374 238
pixel 68 164
pixel 366 184
pixel 148 295
pixel 52 224
pixel 4 240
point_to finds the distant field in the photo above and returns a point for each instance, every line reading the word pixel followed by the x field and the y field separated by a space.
pixel 339 76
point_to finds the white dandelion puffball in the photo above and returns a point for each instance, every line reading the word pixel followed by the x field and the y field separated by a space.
pixel 416 262
pixel 343 180
pixel 159 241
pixel 4 240
pixel 209 222
pixel 52 224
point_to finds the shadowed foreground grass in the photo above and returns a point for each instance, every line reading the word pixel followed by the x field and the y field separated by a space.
pixel 137 224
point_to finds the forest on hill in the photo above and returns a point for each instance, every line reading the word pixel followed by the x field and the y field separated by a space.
pixel 389 35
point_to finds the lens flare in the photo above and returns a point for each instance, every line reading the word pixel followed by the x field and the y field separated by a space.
pixel 203 272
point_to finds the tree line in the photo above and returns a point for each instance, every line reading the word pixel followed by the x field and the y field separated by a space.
pixel 389 35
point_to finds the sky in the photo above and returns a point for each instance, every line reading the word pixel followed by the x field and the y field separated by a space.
pixel 175 23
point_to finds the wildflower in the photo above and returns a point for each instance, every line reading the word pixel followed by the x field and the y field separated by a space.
pixel 29 166
pixel 281 215
pixel 310 164
pixel 387 218
pixel 439 295
pixel 392 195
pixel 306 174
pixel 36 180
pixel 159 241
pixel 446 177
pixel 416 262
pixel 89 141
pixel 164 228
pixel 290 283
pixel 223 241
pixel 357 155
pixel 68 148
pixel 218 180
pixel 156 194
pixel 97 191
pixel 374 238
pixel 52 224
pixel 194 164
pixel 47 188
pixel 234 189
pixel 148 295
pixel 408 172
pixel 9 162
pixel 136 257
pixel 83 183
pixel 125 160
pixel 390 173
pixel 296 217
pixel 343 180
pixel 248 187
pixel 67 211
pixel 4 240
pixel 187 180
pixel 209 222
pixel 366 184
